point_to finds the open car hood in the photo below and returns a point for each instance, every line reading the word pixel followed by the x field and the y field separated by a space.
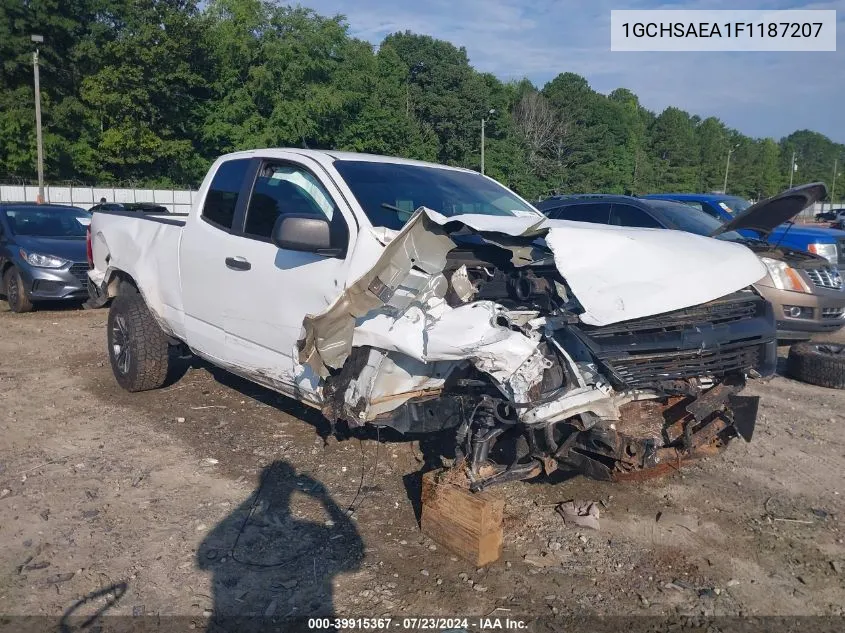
pixel 767 214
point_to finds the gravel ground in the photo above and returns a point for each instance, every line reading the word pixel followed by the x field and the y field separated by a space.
pixel 138 504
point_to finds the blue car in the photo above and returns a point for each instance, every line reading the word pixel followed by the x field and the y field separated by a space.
pixel 829 243
pixel 42 253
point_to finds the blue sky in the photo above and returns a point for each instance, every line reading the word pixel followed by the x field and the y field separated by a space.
pixel 760 94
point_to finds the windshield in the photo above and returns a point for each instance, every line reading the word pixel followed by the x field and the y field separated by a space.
pixel 734 205
pixel 389 193
pixel 48 221
pixel 683 217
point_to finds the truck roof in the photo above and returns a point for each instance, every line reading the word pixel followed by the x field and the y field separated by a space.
pixel 329 156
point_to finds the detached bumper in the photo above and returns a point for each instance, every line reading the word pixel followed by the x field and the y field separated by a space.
pixel 723 341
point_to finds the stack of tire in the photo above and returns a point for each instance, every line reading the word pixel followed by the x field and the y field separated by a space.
pixel 821 364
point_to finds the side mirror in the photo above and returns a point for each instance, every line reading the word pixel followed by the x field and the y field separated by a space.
pixel 310 233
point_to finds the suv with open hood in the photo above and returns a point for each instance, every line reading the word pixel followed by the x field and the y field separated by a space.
pixel 826 242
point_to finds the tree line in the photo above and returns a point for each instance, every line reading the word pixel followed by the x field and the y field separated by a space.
pixel 151 91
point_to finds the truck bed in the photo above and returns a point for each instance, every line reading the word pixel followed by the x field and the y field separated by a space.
pixel 146 247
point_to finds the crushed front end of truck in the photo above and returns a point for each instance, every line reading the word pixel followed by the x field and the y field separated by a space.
pixel 521 336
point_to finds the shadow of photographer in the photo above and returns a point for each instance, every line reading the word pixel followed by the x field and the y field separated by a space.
pixel 273 562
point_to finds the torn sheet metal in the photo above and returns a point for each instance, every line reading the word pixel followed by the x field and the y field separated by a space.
pixel 408 270
pixel 616 273
pixel 387 381
pixel 132 239
pixel 469 332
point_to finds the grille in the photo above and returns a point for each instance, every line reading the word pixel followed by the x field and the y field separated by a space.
pixel 713 339
pixel 80 271
pixel 642 370
pixel 736 308
pixel 833 313
pixel 825 278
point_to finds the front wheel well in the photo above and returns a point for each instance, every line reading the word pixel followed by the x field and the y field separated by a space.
pixel 120 283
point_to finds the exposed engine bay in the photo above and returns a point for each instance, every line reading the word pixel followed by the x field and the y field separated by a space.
pixel 479 333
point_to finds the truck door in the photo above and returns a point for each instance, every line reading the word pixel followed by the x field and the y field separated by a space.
pixel 206 240
pixel 271 290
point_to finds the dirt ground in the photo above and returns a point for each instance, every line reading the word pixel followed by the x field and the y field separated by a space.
pixel 137 504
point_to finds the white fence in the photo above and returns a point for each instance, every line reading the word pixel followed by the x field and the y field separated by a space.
pixel 175 200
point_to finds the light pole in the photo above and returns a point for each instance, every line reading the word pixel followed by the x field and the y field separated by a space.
pixel 833 184
pixel 727 167
pixel 792 169
pixel 483 122
pixel 38 39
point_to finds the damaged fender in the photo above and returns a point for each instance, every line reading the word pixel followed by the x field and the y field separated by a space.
pixel 398 307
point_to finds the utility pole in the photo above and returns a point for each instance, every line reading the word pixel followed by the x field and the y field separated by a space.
pixel 37 39
pixel 833 183
pixel 727 166
pixel 483 121
pixel 792 168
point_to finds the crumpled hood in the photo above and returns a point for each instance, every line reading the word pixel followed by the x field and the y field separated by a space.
pixel 617 274
pixel 620 273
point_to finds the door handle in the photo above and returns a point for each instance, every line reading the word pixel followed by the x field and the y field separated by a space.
pixel 237 263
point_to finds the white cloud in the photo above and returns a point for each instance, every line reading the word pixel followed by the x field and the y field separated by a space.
pixel 761 94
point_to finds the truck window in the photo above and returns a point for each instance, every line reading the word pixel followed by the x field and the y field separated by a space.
pixel 389 193
pixel 629 215
pixel 222 196
pixel 595 213
pixel 281 189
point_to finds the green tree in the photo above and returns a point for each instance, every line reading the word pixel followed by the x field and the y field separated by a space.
pixel 69 28
pixel 713 147
pixel 767 179
pixel 815 155
pixel 673 145
pixel 445 93
pixel 153 90
pixel 147 91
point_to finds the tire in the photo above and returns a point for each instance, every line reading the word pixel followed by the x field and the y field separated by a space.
pixel 821 364
pixel 138 348
pixel 16 293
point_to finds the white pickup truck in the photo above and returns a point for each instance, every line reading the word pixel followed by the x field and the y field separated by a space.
pixel 393 292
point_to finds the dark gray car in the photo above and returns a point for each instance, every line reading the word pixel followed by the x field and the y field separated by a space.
pixel 42 253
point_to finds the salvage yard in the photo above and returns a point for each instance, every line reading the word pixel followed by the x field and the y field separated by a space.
pixel 215 496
